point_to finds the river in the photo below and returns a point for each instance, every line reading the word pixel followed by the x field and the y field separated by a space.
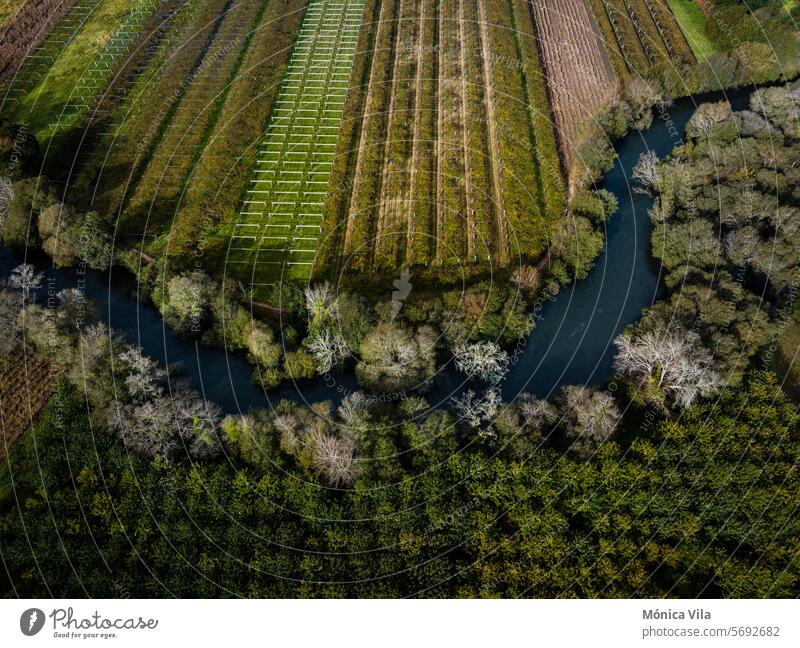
pixel 571 344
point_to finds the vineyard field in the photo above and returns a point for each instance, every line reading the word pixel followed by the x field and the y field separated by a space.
pixel 25 386
pixel 28 25
pixel 640 34
pixel 579 72
pixel 692 21
pixel 457 163
pixel 58 84
pixel 279 224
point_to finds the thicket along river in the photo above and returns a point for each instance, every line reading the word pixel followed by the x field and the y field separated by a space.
pixel 571 344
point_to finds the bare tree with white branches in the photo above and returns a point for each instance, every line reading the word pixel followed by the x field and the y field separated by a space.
pixel 536 412
pixel 167 424
pixel 354 409
pixel 26 279
pixel 675 360
pixel 590 418
pixel 334 458
pixel 329 349
pixel 483 360
pixel 321 301
pixel 144 374
pixel 477 410
pixel 646 172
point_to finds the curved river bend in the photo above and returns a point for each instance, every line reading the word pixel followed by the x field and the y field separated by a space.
pixel 571 344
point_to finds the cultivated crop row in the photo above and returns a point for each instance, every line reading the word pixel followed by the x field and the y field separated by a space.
pixel 519 175
pixel 77 77
pixel 366 181
pixel 37 62
pixel 395 197
pixel 26 30
pixel 155 198
pixel 25 387
pixel 457 161
pixel 579 74
pixel 123 154
pixel 222 172
pixel 643 32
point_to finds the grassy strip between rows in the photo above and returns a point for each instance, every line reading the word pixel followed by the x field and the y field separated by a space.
pixel 279 226
pixel 693 23
pixel 76 77
pixel 485 211
pixel 150 106
pixel 8 9
pixel 135 120
pixel 337 201
pixel 520 176
pixel 155 197
pixel 553 190
pixel 395 189
pixel 670 31
pixel 37 63
pixel 616 26
pixel 367 177
pixel 451 227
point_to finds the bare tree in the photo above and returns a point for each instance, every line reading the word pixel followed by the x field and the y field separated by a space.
pixel 25 278
pixel 483 360
pixel 535 412
pixel 334 458
pixel 288 427
pixel 527 278
pixel 354 409
pixel 144 374
pixel 186 299
pixel 321 301
pixel 329 349
pixel 477 410
pixel 167 424
pixel 674 359
pixel 707 116
pixel 590 418
pixel 646 171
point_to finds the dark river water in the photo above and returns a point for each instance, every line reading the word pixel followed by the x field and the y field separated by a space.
pixel 571 344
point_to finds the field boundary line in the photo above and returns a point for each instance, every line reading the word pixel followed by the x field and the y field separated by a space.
pixel 488 78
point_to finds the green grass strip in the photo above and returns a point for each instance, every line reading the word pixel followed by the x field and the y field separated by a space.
pixel 692 22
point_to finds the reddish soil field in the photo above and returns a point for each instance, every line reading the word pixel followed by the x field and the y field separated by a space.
pixel 26 30
pixel 25 386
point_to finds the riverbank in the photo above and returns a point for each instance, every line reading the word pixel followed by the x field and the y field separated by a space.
pixel 571 343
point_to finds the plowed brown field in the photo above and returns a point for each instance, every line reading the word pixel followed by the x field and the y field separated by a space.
pixel 579 74
pixel 25 386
